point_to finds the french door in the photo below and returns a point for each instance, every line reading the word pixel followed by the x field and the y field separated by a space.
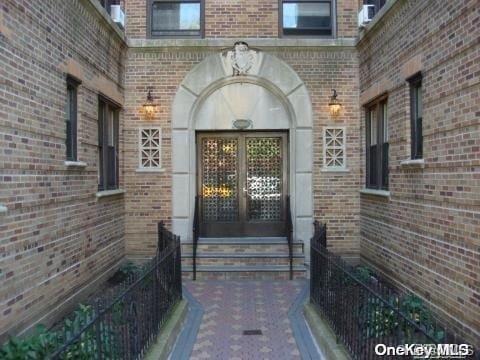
pixel 242 183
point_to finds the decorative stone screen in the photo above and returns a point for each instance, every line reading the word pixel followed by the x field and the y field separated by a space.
pixel 150 148
pixel 334 157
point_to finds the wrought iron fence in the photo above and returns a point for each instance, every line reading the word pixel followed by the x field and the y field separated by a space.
pixel 124 325
pixel 362 310
pixel 289 227
pixel 196 234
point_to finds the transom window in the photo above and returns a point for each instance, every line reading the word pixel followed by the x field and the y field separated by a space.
pixel 175 18
pixel 377 145
pixel 307 17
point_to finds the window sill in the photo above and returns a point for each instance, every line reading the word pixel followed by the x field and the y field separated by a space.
pixel 418 163
pixel 335 170
pixel 3 209
pixel 374 192
pixel 107 193
pixel 142 170
pixel 75 164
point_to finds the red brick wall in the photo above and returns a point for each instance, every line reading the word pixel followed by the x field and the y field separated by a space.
pixel 336 198
pixel 148 197
pixel 426 235
pixel 240 18
pixel 55 237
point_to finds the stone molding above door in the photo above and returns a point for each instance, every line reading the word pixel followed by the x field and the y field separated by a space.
pixel 272 96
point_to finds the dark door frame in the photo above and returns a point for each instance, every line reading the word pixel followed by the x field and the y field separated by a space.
pixel 244 226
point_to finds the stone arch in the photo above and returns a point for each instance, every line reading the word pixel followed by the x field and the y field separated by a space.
pixel 208 94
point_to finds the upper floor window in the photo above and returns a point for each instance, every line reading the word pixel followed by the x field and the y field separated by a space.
pixel 377 145
pixel 175 18
pixel 416 116
pixel 108 3
pixel 378 4
pixel 108 144
pixel 71 119
pixel 307 17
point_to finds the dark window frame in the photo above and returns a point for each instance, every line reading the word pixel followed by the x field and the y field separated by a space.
pixel 377 154
pixel 379 4
pixel 108 154
pixel 106 4
pixel 305 33
pixel 416 119
pixel 178 33
pixel 71 122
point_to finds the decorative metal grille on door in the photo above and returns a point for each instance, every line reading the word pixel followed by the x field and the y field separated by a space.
pixel 220 179
pixel 264 178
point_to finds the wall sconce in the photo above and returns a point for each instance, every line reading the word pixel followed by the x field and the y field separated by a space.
pixel 334 104
pixel 149 107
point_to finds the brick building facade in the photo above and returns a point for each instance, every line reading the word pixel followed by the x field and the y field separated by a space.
pixel 425 234
pixel 59 233
pixel 57 237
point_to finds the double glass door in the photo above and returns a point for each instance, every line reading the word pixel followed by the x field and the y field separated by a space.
pixel 242 183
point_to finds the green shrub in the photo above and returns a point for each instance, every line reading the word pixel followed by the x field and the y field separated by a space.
pixel 43 342
pixel 364 274
pixel 414 308
pixel 377 319
pixel 36 346
pixel 128 268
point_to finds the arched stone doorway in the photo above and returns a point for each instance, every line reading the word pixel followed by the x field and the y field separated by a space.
pixel 212 96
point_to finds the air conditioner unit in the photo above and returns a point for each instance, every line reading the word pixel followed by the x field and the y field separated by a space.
pixel 117 15
pixel 366 15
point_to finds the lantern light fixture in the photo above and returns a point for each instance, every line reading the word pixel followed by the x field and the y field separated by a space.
pixel 149 107
pixel 334 104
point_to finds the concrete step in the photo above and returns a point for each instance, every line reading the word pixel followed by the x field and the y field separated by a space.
pixel 274 272
pixel 243 240
pixel 241 259
pixel 246 245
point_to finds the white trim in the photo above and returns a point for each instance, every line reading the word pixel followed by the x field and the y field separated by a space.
pixel 375 192
pixel 106 193
pixel 335 169
pixel 278 78
pixel 150 170
pixel 78 164
pixel 141 149
pixel 413 163
pixel 343 148
pixel 253 42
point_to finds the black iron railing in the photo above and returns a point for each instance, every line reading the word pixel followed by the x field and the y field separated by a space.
pixel 364 311
pixel 122 326
pixel 196 234
pixel 289 228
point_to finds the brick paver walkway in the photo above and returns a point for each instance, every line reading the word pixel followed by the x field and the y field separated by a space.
pixel 231 307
